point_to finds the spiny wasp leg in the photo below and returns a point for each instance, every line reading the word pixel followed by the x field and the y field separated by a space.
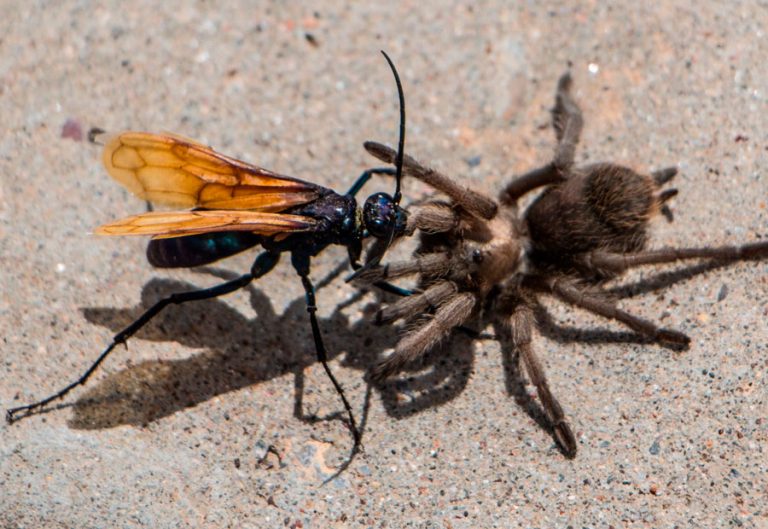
pixel 386 286
pixel 262 265
pixel 301 264
pixel 363 178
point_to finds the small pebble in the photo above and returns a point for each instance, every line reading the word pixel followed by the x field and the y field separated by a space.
pixel 72 130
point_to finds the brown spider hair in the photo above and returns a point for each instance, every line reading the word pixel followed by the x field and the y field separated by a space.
pixel 478 255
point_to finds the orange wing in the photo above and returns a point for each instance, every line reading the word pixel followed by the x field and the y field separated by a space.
pixel 174 171
pixel 165 224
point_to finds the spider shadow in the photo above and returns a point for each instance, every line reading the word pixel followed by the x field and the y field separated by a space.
pixel 435 379
pixel 668 278
pixel 239 352
pixel 562 334
pixel 653 283
pixel 444 372
pixel 236 352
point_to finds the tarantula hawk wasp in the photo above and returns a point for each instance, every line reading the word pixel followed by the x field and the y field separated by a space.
pixel 238 206
pixel 479 256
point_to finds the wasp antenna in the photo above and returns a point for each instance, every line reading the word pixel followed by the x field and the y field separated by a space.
pixel 401 141
pixel 381 245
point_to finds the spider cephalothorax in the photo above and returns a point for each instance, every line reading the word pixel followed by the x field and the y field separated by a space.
pixel 478 255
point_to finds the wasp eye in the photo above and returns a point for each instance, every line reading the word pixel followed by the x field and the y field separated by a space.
pixel 380 215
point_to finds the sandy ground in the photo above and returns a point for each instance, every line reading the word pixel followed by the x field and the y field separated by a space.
pixel 172 431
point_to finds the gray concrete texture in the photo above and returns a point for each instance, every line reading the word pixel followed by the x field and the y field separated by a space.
pixel 175 430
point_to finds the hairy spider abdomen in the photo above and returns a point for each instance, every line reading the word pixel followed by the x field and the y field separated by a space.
pixel 601 206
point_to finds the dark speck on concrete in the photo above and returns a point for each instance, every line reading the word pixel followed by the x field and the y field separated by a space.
pixel 474 161
pixel 655 448
pixel 723 292
pixel 312 40
pixel 72 130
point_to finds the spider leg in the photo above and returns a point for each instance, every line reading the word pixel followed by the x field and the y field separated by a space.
pixel 543 176
pixel 521 323
pixel 598 304
pixel 452 313
pixel 433 217
pixel 568 123
pixel 620 262
pixel 432 265
pixel 416 304
pixel 474 202
pixel 263 264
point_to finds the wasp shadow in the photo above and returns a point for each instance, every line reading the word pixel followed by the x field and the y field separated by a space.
pixel 240 351
pixel 237 352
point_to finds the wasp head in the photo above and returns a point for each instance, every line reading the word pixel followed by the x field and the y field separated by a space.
pixel 383 217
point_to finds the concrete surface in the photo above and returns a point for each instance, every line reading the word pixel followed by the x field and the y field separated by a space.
pixel 171 432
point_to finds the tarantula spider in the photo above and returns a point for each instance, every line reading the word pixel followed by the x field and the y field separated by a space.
pixel 477 255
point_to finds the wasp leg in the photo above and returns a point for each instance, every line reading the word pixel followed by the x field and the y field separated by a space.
pixel 393 289
pixel 354 261
pixel 263 264
pixel 363 178
pixel 301 264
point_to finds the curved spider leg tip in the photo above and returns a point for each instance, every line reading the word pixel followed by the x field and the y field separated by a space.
pixel 380 372
pixel 565 439
pixel 673 337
